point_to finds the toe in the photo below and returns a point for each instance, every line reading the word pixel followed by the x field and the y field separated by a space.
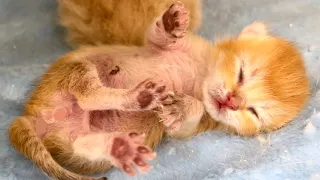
pixel 143 150
pixel 161 89
pixel 128 169
pixel 146 153
pixel 150 85
pixel 133 134
pixel 139 161
pixel 141 164
pixel 167 101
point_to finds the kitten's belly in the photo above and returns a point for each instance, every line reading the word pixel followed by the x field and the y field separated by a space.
pixel 178 77
pixel 121 121
pixel 77 122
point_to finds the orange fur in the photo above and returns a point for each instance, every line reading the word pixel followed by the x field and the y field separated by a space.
pixel 275 84
pixel 115 21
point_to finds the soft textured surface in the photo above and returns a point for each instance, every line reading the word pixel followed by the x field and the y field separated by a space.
pixel 30 40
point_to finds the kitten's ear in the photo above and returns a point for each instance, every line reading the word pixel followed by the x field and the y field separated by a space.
pixel 255 29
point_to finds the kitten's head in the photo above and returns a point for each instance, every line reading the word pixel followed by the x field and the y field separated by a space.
pixel 257 82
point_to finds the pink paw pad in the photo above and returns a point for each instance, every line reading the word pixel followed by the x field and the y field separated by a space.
pixel 176 20
pixel 128 151
pixel 148 95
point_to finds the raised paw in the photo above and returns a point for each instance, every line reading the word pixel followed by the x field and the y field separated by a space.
pixel 172 113
pixel 176 20
pixel 147 95
pixel 128 151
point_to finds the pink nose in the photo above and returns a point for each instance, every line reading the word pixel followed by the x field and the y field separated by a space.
pixel 231 102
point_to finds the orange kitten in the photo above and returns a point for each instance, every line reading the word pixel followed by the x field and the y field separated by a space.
pixel 94 108
pixel 258 82
pixel 116 21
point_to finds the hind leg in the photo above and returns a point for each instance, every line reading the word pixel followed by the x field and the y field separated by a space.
pixel 123 150
pixel 75 156
pixel 62 151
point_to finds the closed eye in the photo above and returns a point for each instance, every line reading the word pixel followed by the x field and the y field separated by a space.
pixel 253 111
pixel 240 78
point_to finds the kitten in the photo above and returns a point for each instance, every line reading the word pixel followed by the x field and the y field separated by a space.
pixel 260 77
pixel 115 21
pixel 94 109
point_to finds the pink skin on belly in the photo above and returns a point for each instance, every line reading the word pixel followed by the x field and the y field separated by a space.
pixel 174 68
pixel 78 122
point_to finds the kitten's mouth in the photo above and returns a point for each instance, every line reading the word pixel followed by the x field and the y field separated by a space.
pixel 215 102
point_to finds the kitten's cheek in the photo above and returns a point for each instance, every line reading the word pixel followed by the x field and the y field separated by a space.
pixel 247 126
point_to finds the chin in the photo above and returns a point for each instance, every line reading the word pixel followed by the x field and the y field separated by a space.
pixel 210 105
pixel 213 109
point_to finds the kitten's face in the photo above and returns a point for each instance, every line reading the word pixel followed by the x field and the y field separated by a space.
pixel 257 82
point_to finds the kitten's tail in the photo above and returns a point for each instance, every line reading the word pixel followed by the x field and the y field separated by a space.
pixel 23 137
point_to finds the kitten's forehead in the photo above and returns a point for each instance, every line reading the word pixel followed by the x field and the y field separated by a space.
pixel 251 59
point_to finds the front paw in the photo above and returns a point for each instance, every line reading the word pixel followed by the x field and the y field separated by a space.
pixel 146 96
pixel 172 114
pixel 175 20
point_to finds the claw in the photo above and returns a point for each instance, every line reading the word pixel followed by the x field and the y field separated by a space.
pixel 133 134
pixel 159 108
pixel 164 97
pixel 143 135
pixel 128 170
pixel 161 89
pixel 180 3
pixel 142 149
pixel 171 93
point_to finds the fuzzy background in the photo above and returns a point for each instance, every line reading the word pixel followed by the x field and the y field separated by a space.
pixel 30 40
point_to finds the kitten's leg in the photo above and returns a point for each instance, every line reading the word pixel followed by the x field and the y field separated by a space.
pixel 123 150
pixel 145 96
pixel 168 30
pixel 182 116
pixel 83 82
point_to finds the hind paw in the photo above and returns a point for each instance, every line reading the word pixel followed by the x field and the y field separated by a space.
pixel 128 151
